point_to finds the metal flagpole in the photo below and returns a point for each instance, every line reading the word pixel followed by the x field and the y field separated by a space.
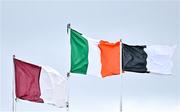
pixel 121 78
pixel 13 89
pixel 67 103
pixel 121 94
pixel 68 73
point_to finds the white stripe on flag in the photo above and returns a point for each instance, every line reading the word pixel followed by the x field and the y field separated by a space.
pixel 159 58
pixel 94 62
pixel 53 87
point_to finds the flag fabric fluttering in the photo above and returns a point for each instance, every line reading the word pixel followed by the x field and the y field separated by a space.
pixel 40 84
pixel 159 58
pixel 148 59
pixel 134 58
pixel 110 58
pixel 102 58
pixel 94 57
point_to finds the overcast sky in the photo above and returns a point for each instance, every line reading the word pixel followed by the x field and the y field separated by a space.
pixel 35 31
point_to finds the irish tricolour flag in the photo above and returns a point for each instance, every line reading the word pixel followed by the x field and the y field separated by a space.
pixel 92 57
pixel 103 58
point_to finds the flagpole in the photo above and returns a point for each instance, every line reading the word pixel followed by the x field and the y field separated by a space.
pixel 13 89
pixel 67 103
pixel 68 73
pixel 121 78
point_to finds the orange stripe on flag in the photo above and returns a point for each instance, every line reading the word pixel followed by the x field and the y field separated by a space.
pixel 110 58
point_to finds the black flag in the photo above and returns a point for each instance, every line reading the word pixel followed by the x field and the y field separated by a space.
pixel 134 58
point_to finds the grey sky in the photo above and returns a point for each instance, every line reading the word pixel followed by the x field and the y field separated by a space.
pixel 36 32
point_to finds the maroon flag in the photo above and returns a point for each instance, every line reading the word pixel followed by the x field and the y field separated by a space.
pixel 27 81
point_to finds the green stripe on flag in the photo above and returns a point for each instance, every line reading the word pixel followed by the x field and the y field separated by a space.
pixel 79 53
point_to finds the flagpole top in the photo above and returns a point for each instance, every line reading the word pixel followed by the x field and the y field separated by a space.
pixel 14 56
pixel 68 27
